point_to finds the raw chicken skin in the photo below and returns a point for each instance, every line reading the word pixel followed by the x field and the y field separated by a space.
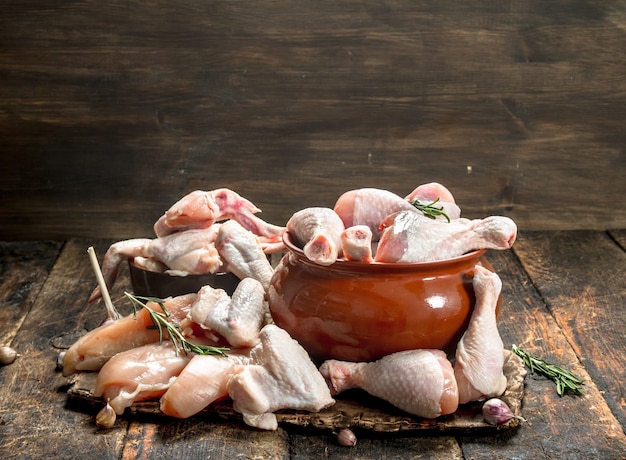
pixel 139 374
pixel 202 381
pixel 200 209
pixel 243 254
pixel 369 206
pixel 411 237
pixel 420 382
pixel 281 376
pixel 480 352
pixel 238 319
pixel 356 244
pixel 317 231
pixel 91 351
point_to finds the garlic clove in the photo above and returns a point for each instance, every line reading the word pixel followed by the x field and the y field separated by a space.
pixel 60 358
pixel 7 355
pixel 106 417
pixel 496 412
pixel 346 438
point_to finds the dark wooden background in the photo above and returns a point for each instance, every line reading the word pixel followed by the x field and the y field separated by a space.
pixel 111 111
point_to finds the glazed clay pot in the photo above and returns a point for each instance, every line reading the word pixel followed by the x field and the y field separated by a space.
pixel 360 312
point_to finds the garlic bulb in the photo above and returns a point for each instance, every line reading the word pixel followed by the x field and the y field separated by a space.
pixel 7 355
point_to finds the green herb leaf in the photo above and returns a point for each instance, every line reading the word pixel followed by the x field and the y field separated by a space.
pixel 565 381
pixel 430 210
pixel 160 322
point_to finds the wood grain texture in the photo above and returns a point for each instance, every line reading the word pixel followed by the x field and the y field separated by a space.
pixel 580 276
pixel 32 392
pixel 557 427
pixel 192 439
pixel 24 267
pixel 110 113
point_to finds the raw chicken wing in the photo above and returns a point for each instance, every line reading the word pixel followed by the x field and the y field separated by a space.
pixel 480 352
pixel 139 374
pixel 420 382
pixel 411 237
pixel 318 232
pixel 242 253
pixel 282 376
pixel 200 209
pixel 187 252
pixel 238 319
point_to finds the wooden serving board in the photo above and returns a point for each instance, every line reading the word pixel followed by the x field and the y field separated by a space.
pixel 353 409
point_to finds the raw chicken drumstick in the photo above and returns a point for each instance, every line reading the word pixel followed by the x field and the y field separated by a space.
pixel 480 352
pixel 356 244
pixel 420 382
pixel 429 193
pixel 200 209
pixel 410 237
pixel 369 206
pixel 318 232
pixel 281 376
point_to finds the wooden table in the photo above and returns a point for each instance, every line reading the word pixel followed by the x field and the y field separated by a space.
pixel 563 299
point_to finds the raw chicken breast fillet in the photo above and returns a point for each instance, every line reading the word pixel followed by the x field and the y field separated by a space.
pixel 139 374
pixel 202 381
pixel 91 351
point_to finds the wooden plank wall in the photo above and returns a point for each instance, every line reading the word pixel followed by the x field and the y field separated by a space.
pixel 111 111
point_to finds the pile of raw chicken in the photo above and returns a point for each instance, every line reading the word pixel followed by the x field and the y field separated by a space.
pixel 264 370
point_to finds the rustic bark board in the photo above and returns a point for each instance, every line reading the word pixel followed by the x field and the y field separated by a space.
pixel 355 409
pixel 111 112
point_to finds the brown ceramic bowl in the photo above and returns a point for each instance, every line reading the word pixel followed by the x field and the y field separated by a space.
pixel 360 312
pixel 162 285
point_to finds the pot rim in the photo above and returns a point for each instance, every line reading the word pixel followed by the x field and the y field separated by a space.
pixel 342 264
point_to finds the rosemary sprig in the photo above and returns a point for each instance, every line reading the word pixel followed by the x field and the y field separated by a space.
pixel 430 210
pixel 565 381
pixel 160 322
